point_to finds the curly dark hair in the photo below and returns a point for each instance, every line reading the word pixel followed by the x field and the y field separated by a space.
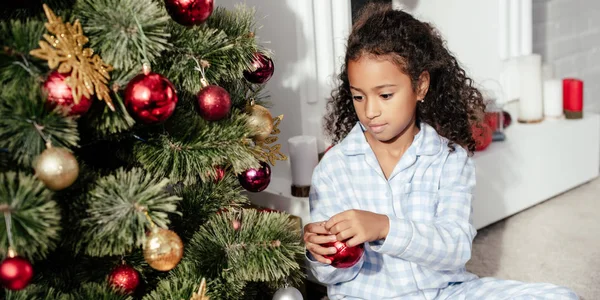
pixel 452 103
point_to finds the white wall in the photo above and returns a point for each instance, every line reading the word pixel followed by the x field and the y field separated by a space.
pixel 306 36
pixel 470 28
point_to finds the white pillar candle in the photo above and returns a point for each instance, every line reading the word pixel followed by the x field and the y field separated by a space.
pixel 553 98
pixel 303 158
pixel 531 105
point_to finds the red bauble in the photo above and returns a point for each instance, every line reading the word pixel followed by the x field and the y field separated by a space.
pixel 220 174
pixel 150 98
pixel 491 119
pixel 482 134
pixel 507 119
pixel 60 94
pixel 236 224
pixel 189 12
pixel 214 103
pixel 124 277
pixel 345 257
pixel 256 180
pixel 15 273
pixel 263 69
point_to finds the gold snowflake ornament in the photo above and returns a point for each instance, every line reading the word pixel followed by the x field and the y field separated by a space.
pixel 89 74
pixel 264 151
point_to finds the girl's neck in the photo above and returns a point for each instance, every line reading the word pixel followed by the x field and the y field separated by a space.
pixel 396 146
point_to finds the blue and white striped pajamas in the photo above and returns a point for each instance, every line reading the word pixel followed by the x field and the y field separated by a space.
pixel 427 199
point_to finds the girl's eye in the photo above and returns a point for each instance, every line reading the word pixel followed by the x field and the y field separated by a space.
pixel 357 98
pixel 387 96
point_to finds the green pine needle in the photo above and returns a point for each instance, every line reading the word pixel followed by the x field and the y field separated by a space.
pixel 200 201
pixel 17 38
pixel 106 122
pixel 196 147
pixel 265 248
pixel 100 291
pixel 33 292
pixel 117 207
pixel 20 114
pixel 229 49
pixel 34 215
pixel 125 32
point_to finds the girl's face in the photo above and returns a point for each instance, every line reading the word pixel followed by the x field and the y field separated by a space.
pixel 383 96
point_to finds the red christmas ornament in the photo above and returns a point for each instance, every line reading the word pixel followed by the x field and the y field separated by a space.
pixel 507 119
pixel 15 273
pixel 220 173
pixel 345 257
pixel 60 94
pixel 124 277
pixel 256 180
pixel 150 98
pixel 491 119
pixel 189 12
pixel 263 69
pixel 214 103
pixel 482 134
pixel 236 224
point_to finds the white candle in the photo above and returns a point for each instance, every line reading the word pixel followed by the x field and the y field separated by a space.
pixel 553 98
pixel 526 36
pixel 531 105
pixel 303 158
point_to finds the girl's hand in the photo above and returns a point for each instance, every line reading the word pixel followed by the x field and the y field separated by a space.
pixel 315 234
pixel 358 226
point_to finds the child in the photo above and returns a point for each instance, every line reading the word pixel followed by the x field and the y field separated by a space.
pixel 400 179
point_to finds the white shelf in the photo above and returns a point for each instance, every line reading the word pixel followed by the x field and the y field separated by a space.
pixel 535 162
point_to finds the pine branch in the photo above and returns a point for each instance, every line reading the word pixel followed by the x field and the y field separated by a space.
pixel 16 64
pixel 196 147
pixel 265 248
pixel 237 22
pixel 20 114
pixel 185 280
pixel 125 32
pixel 229 50
pixel 33 292
pixel 117 212
pixel 34 215
pixel 100 291
pixel 106 122
pixel 200 201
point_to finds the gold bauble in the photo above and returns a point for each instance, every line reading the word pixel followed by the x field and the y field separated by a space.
pixel 261 120
pixel 163 249
pixel 57 168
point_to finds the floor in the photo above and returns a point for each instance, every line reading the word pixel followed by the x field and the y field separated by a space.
pixel 557 241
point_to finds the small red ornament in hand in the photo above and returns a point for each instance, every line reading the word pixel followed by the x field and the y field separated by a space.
pixel 15 273
pixel 214 103
pixel 60 94
pixel 150 98
pixel 345 257
pixel 262 67
pixel 124 277
pixel 189 12
pixel 256 180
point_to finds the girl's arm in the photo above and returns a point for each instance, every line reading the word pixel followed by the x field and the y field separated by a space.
pixel 445 243
pixel 325 202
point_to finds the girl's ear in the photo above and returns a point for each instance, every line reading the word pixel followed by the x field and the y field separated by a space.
pixel 423 85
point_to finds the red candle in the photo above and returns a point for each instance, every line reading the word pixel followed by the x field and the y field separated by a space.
pixel 573 98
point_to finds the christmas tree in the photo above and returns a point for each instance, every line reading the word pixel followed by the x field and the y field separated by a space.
pixel 130 131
